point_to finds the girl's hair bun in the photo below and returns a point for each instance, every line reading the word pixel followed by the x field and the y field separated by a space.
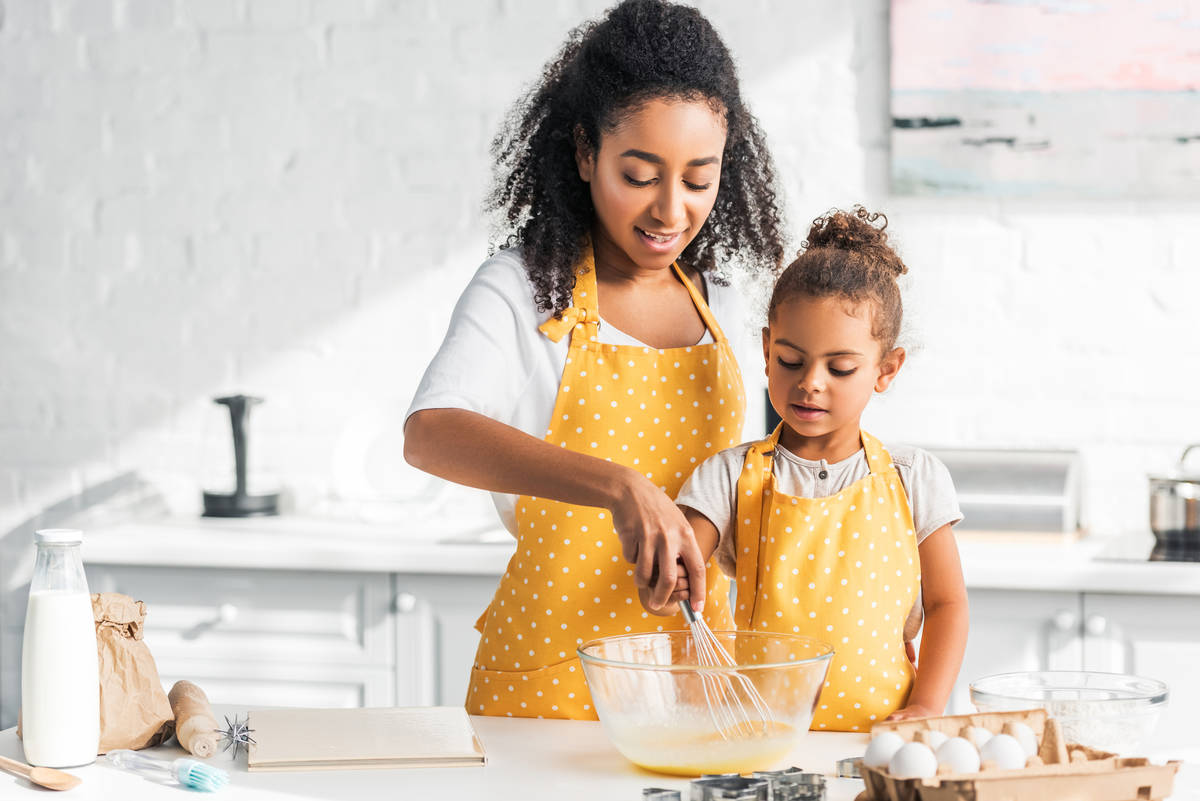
pixel 847 255
pixel 856 230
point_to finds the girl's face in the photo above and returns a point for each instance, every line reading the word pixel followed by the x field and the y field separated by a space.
pixel 653 181
pixel 822 366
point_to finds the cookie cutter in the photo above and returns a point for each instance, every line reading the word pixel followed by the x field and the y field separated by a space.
pixel 659 794
pixel 793 784
pixel 729 787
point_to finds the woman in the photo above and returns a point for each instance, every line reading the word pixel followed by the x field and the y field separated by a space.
pixel 584 373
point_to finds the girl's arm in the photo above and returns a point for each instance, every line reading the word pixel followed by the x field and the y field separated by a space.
pixel 652 530
pixel 706 533
pixel 945 598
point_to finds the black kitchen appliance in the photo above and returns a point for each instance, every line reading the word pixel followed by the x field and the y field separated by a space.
pixel 239 503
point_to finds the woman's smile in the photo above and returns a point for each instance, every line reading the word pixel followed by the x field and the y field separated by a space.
pixel 659 242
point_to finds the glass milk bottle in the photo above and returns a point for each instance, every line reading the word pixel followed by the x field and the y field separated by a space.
pixel 60 678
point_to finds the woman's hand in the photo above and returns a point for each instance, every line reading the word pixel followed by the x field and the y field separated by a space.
pixel 657 538
pixel 680 593
pixel 912 711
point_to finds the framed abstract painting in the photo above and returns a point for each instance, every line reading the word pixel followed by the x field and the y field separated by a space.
pixel 1046 98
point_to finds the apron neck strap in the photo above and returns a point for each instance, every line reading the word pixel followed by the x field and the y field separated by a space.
pixel 767 445
pixel 878 459
pixel 754 488
pixel 583 315
pixel 585 308
pixel 706 314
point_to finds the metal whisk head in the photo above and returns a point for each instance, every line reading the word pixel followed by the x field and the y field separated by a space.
pixel 735 706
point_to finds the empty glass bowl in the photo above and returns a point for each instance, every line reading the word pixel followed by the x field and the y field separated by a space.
pixel 1109 711
pixel 666 713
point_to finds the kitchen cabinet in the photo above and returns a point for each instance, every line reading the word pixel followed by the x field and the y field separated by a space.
pixel 1157 636
pixel 435 628
pixel 266 638
pixel 305 612
pixel 1014 631
pixel 299 638
pixel 1149 635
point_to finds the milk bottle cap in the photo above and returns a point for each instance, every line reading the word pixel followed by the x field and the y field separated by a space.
pixel 58 536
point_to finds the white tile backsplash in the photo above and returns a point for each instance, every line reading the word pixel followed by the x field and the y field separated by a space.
pixel 282 197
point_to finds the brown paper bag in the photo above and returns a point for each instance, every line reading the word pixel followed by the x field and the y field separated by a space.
pixel 134 711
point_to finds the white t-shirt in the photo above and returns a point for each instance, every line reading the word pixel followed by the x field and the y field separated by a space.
pixel 712 491
pixel 496 362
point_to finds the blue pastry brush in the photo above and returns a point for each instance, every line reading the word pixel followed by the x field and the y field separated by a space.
pixel 188 772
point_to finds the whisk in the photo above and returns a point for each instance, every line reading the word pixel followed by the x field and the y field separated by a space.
pixel 736 707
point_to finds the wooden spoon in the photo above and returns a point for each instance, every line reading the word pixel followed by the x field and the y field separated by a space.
pixel 46 777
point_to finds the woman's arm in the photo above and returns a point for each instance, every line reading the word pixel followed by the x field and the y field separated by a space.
pixel 652 530
pixel 946 617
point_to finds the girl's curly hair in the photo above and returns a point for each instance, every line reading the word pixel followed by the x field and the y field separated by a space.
pixel 848 256
pixel 640 50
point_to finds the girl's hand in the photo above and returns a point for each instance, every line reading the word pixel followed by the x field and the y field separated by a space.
pixel 912 711
pixel 657 538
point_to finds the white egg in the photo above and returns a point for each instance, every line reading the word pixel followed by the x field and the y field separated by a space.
pixel 1005 751
pixel 882 748
pixel 976 734
pixel 913 761
pixel 1024 735
pixel 934 739
pixel 959 755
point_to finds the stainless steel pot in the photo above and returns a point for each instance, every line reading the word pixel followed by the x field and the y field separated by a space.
pixel 1175 502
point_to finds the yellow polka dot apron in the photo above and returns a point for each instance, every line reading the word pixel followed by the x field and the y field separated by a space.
pixel 661 412
pixel 844 569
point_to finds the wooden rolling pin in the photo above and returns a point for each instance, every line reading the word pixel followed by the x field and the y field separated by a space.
pixel 195 726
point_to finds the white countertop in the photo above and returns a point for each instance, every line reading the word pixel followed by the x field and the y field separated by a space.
pixel 528 760
pixel 300 543
pixel 1086 565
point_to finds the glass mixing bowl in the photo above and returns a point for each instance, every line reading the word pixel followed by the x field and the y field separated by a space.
pixel 666 713
pixel 1109 711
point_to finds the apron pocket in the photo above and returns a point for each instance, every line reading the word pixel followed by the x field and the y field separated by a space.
pixel 555 691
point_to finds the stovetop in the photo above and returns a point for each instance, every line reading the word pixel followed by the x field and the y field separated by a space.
pixel 1175 546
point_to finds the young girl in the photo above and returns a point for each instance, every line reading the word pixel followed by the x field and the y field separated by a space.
pixel 829 533
pixel 586 370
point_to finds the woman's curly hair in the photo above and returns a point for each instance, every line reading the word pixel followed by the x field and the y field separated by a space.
pixel 640 50
pixel 847 256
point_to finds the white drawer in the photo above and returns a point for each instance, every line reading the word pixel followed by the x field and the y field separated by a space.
pixel 253 616
pixel 251 685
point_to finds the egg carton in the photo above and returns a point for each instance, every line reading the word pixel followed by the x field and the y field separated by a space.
pixel 1068 770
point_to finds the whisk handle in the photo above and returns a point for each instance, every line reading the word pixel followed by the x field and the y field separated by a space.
pixel 689 614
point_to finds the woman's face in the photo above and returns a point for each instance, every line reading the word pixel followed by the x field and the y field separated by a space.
pixel 654 180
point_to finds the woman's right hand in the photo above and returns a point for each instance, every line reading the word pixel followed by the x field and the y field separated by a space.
pixel 680 593
pixel 657 538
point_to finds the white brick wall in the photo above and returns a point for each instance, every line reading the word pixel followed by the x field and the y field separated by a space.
pixel 281 197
